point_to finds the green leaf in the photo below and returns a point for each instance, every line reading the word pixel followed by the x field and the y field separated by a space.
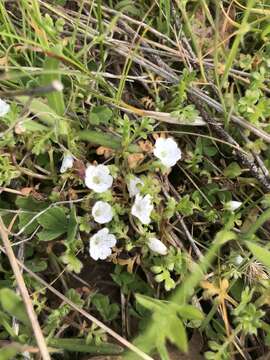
pixel 189 312
pixel 103 139
pixel 162 350
pixel 13 305
pixel 29 203
pixel 259 252
pixel 8 352
pixel 265 32
pixel 177 333
pixel 53 218
pixel 36 265
pixel 102 303
pixel 72 226
pixel 33 126
pixel 24 219
pixel 99 138
pixel 185 206
pixel 75 297
pixel 169 284
pixel 100 115
pixel 79 345
pixel 6 322
pixel 149 303
pixel 54 222
pixel 233 170
pixel 43 111
pixel 48 235
pixel 55 98
pixel 208 147
pixel 130 282
pixel 72 262
pixel 224 236
pixel 170 327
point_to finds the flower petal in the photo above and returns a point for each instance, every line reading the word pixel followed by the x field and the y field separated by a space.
pixel 98 178
pixel 67 163
pixel 132 185
pixel 104 252
pixel 233 205
pixel 4 108
pixel 167 151
pixel 102 212
pixel 142 208
pixel 100 244
pixel 157 246
pixel 111 240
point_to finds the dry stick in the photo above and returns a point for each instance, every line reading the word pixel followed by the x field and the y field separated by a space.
pixel 15 322
pixel 25 296
pixel 81 311
pixel 256 156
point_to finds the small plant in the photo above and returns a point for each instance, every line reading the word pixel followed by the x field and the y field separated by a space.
pixel 7 171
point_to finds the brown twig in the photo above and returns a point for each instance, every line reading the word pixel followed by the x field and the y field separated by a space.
pixel 24 293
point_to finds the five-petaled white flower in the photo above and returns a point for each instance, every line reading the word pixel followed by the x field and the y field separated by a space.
pixel 132 186
pixel 167 151
pixel 233 205
pixel 142 208
pixel 157 246
pixel 98 178
pixel 101 244
pixel 67 163
pixel 4 108
pixel 102 212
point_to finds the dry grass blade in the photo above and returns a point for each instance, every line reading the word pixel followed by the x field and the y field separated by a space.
pixel 25 296
pixel 162 116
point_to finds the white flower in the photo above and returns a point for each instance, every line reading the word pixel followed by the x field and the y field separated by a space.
pixel 101 244
pixel 4 108
pixel 142 208
pixel 238 260
pixel 133 185
pixel 98 178
pixel 167 151
pixel 233 205
pixel 157 246
pixel 67 163
pixel 102 212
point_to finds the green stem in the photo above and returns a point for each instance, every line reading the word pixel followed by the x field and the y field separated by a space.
pixel 79 345
pixel 107 140
pixel 244 28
